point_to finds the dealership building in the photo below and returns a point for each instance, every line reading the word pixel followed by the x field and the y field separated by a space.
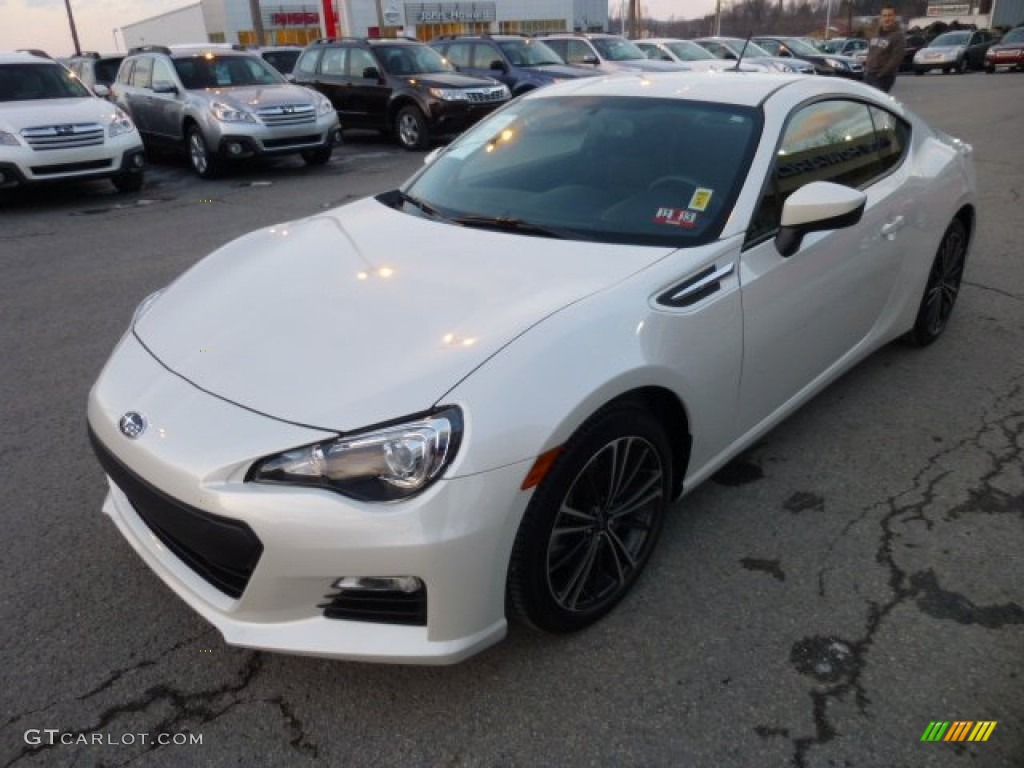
pixel 231 21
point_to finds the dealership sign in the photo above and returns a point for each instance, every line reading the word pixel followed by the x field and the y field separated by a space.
pixel 440 13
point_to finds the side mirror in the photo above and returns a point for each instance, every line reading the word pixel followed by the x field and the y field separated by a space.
pixel 590 60
pixel 290 77
pixel 371 73
pixel 816 207
pixel 499 65
pixel 164 86
pixel 101 90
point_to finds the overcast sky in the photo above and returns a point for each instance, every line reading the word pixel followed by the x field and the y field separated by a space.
pixel 44 23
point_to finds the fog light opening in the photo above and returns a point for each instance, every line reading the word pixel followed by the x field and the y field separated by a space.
pixel 407 584
pixel 234 148
pixel 138 161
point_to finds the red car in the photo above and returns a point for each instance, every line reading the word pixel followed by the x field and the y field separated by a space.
pixel 1008 53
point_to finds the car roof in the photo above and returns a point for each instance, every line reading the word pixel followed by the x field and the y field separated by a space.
pixel 24 57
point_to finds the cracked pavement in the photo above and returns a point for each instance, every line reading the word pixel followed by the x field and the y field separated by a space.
pixel 856 575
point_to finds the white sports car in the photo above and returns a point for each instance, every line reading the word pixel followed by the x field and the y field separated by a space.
pixel 372 433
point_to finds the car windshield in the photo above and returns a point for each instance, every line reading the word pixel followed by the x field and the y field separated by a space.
pixel 610 169
pixel 412 60
pixel 799 48
pixel 1014 36
pixel 951 38
pixel 529 53
pixel 106 70
pixel 617 49
pixel 30 82
pixel 211 71
pixel 688 51
pixel 730 49
pixel 282 61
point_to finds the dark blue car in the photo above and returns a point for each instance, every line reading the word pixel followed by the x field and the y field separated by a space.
pixel 522 63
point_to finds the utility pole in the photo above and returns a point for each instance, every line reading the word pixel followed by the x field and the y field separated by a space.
pixel 74 32
pixel 257 22
pixel 632 18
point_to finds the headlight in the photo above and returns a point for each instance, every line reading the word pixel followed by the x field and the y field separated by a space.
pixel 781 66
pixel 9 139
pixel 384 464
pixel 324 106
pixel 229 114
pixel 837 64
pixel 120 123
pixel 449 94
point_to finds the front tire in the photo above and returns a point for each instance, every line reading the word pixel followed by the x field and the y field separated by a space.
pixel 591 526
pixel 204 162
pixel 411 128
pixel 127 182
pixel 942 288
pixel 320 156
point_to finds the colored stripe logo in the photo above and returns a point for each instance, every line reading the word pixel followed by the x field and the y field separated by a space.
pixel 959 730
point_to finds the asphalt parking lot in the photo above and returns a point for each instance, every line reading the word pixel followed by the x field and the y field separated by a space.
pixel 856 576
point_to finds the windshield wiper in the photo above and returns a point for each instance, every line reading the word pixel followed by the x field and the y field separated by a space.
pixel 427 208
pixel 508 223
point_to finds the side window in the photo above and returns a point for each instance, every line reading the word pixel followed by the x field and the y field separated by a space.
pixel 333 62
pixel 893 138
pixel 359 61
pixel 124 74
pixel 142 75
pixel 163 72
pixel 484 55
pixel 458 54
pixel 306 65
pixel 825 141
pixel 578 51
pixel 561 47
pixel 771 46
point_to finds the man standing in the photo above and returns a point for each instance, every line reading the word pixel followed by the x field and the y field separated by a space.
pixel 885 51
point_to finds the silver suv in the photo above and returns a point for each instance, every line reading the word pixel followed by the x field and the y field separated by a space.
pixel 606 53
pixel 52 128
pixel 220 104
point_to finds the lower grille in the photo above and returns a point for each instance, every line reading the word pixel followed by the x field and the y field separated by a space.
pixel 488 95
pixel 291 141
pixel 69 136
pixel 92 165
pixel 222 551
pixel 380 607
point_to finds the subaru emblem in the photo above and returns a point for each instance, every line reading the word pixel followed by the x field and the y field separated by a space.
pixel 132 425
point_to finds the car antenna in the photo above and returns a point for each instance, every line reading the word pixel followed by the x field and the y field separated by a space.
pixel 743 50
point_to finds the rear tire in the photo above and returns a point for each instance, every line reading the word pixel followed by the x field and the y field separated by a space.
pixel 942 288
pixel 593 522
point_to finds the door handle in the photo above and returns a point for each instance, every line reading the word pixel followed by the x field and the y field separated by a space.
pixel 889 229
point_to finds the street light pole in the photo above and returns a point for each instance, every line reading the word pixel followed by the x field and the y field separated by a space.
pixel 74 32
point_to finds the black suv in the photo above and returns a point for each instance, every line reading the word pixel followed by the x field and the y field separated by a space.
pixel 397 85
pixel 94 69
pixel 520 62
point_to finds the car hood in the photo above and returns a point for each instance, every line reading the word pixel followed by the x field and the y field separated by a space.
pixel 32 113
pixel 255 96
pixel 650 65
pixel 941 49
pixel 1007 46
pixel 452 80
pixel 365 314
pixel 561 71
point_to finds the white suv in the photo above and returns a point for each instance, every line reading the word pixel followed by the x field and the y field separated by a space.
pixel 52 128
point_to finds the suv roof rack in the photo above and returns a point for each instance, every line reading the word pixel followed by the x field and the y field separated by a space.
pixel 35 52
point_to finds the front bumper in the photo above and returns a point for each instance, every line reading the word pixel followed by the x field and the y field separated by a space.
pixel 23 165
pixel 448 117
pixel 239 141
pixel 293 542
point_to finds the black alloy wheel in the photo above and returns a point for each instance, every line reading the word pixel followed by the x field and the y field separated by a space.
pixel 943 286
pixel 591 526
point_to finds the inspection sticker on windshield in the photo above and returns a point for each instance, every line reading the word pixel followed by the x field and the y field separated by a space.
pixel 701 198
pixel 677 217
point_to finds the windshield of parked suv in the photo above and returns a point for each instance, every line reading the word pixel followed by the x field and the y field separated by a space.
pixel 28 82
pixel 688 51
pixel 610 169
pixel 529 53
pixel 617 49
pixel 412 60
pixel 209 70
pixel 799 48
pixel 950 38
pixel 730 49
